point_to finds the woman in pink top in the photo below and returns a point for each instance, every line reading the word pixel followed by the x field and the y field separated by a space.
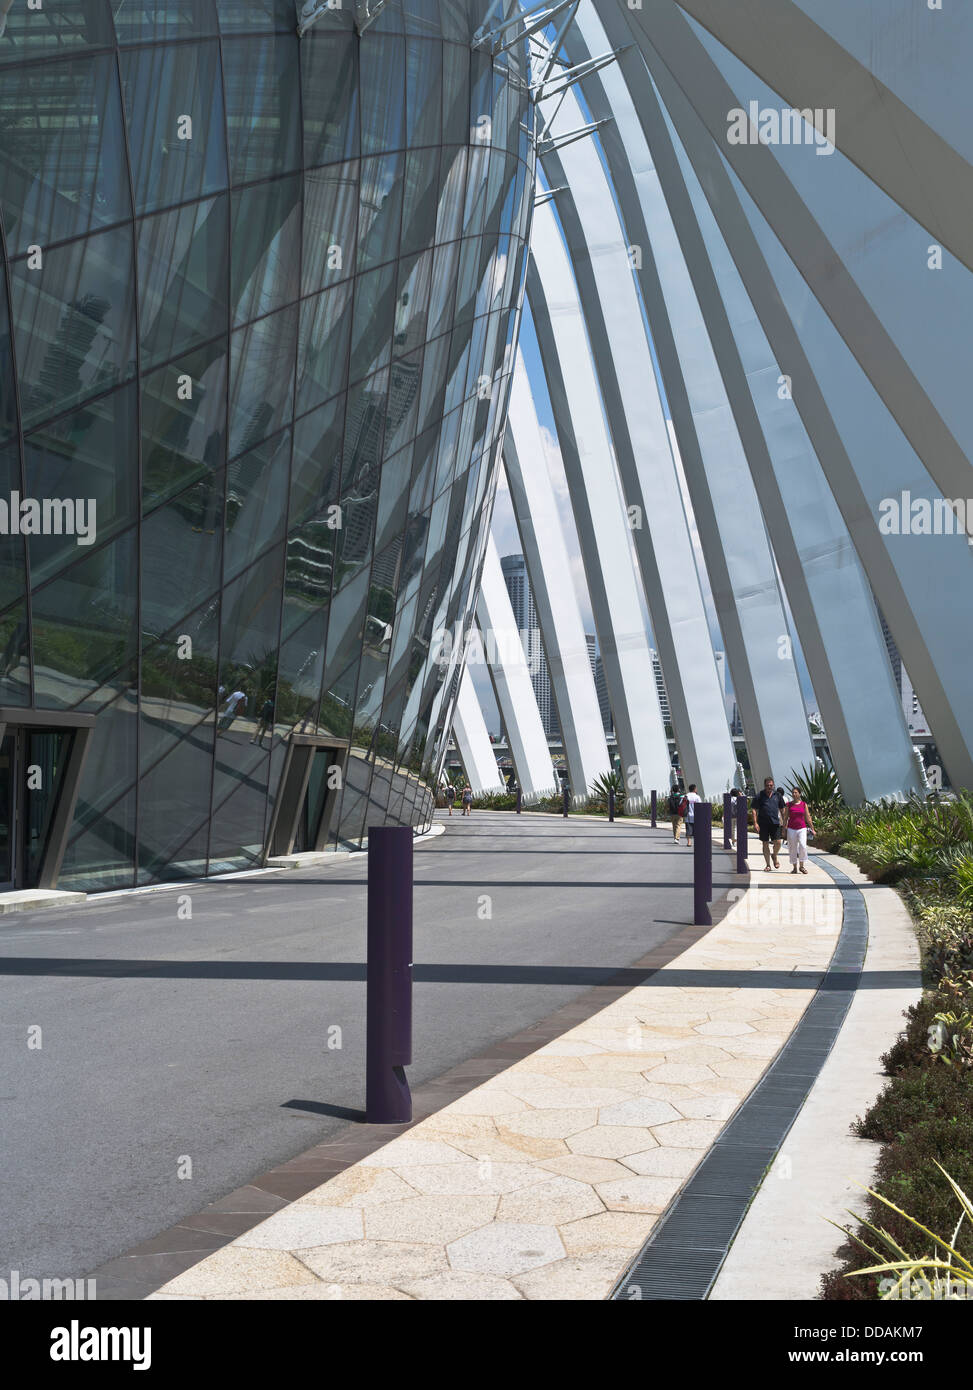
pixel 797 821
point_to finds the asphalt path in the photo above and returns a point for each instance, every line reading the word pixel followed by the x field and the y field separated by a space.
pixel 166 1038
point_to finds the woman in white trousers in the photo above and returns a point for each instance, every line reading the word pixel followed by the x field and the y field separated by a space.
pixel 797 819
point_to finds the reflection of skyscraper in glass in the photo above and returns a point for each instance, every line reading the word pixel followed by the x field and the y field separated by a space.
pixel 601 684
pixel 515 576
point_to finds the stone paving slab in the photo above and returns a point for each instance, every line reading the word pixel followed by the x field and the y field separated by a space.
pixel 544 1181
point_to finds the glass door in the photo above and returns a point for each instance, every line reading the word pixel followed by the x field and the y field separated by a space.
pixel 8 811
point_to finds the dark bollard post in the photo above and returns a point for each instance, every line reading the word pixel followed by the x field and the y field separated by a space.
pixel 520 800
pixel 727 820
pixel 388 1026
pixel 611 803
pixel 566 801
pixel 742 812
pixel 702 863
pixel 654 802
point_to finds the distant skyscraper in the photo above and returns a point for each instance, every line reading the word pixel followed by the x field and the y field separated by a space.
pixel 601 684
pixel 911 708
pixel 514 569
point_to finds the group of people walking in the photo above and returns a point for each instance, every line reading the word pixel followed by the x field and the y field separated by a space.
pixel 465 796
pixel 772 813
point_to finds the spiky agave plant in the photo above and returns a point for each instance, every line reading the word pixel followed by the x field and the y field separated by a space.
pixel 948 1267
pixel 608 782
pixel 819 787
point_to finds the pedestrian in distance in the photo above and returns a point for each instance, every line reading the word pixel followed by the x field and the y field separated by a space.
pixel 675 815
pixel 235 704
pixel 687 809
pixel 765 817
pixel 467 799
pixel 266 722
pixel 798 824
pixel 450 794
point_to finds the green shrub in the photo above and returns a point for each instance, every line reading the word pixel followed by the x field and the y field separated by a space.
pixel 917 1095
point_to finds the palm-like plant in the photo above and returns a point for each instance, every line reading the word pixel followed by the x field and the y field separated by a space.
pixel 819 787
pixel 608 782
pixel 953 1271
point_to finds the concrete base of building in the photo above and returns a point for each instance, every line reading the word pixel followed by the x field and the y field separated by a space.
pixel 27 899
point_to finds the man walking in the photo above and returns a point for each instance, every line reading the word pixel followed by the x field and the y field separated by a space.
pixel 675 815
pixel 765 812
pixel 688 809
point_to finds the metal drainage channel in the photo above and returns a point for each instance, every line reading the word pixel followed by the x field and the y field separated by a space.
pixel 683 1256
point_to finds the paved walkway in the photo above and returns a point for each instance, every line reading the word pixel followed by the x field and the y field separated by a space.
pixel 545 1181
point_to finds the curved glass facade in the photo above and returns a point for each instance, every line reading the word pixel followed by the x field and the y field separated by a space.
pixel 259 301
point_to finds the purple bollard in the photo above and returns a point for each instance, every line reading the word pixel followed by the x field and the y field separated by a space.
pixel 702 863
pixel 727 813
pixel 388 1026
pixel 567 802
pixel 611 804
pixel 520 800
pixel 742 814
pixel 654 802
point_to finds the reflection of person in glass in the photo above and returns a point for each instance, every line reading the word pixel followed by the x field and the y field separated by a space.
pixel 266 722
pixel 235 704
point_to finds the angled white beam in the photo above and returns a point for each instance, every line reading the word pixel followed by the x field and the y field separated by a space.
pixel 510 674
pixel 473 741
pixel 599 509
pixel 826 587
pixel 794 53
pixel 549 571
pixel 602 268
pixel 866 459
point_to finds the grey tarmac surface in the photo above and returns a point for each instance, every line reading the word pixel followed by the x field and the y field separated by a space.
pixel 166 1038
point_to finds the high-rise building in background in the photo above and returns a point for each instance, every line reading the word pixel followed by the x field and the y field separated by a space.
pixel 515 577
pixel 601 684
pixel 660 686
pixel 914 717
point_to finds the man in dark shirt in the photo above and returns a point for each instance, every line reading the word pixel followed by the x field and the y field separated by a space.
pixel 765 809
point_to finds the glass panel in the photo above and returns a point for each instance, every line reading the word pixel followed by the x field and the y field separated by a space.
pixel 80 470
pixel 75 324
pixel 174 100
pixel 382 61
pixel 153 20
pixel 48 751
pixel 423 102
pixel 183 438
pixel 262 105
pixel 380 210
pixel 15 686
pixel 182 259
pixel 174 810
pixel 374 321
pixel 68 25
pixel 266 248
pixel 13 561
pixel 419 210
pixel 329 83
pixel 322 355
pixel 317 461
pixel 84 624
pixel 262 379
pixel 330 225
pixel 181 551
pixel 103 857
pixel 456 93
pixel 63 155
pixel 253 15
pixel 256 496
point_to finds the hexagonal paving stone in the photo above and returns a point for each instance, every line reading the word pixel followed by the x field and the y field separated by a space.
pixel 300 1225
pixel 551 1203
pixel 237 1270
pixel 723 1029
pixel 373 1261
pixel 584 1168
pixel 640 1111
pixel 474 1179
pixel 687 1134
pixel 401 1152
pixel 472 1288
pixel 609 1141
pixel 664 1162
pixel 681 1074
pixel 709 1108
pixel 506 1248
pixel 551 1124
pixel 429 1220
pixel 623 1231
pixel 487 1100
pixel 648 1193
pixel 359 1187
pixel 582 1277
